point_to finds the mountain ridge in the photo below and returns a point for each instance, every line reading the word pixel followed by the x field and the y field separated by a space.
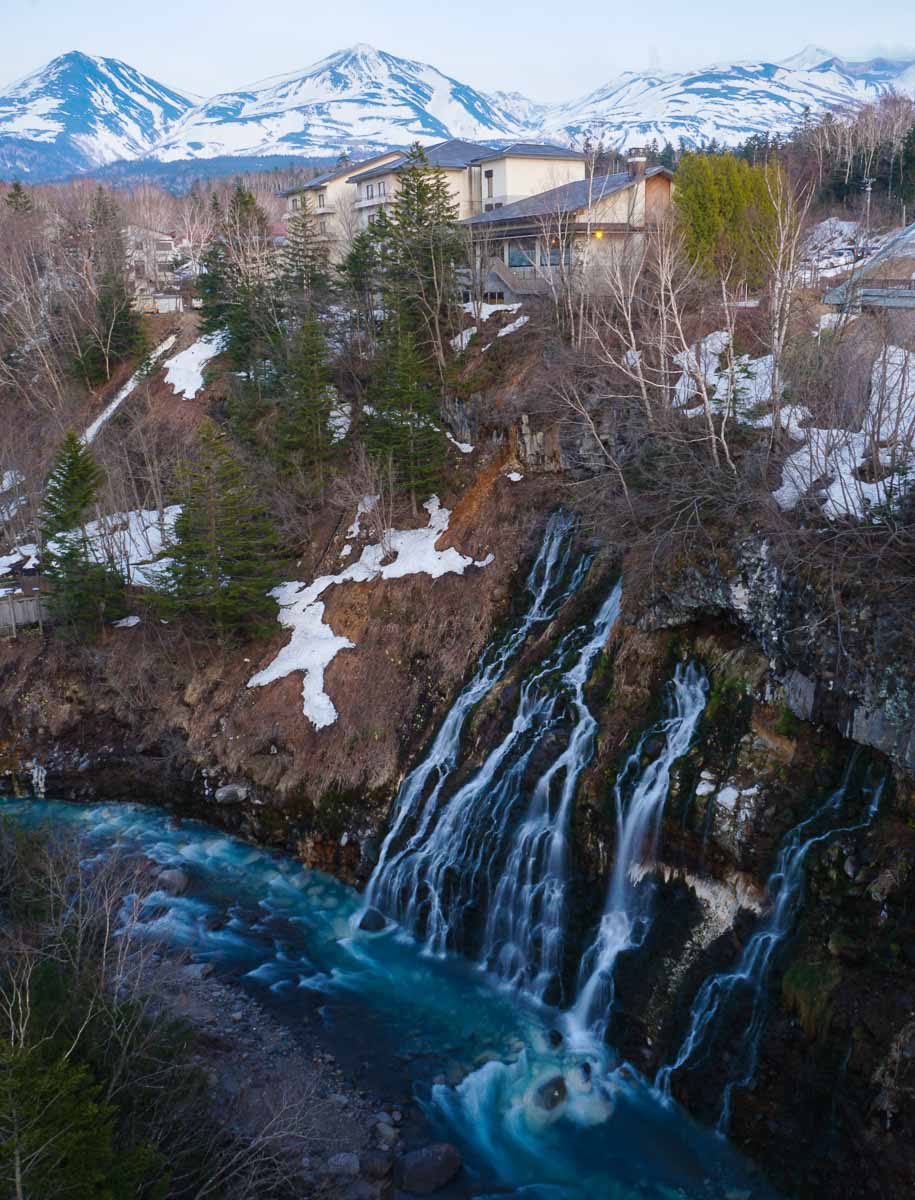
pixel 80 113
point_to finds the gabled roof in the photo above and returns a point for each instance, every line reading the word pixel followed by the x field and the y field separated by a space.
pixel 451 155
pixel 567 198
pixel 531 150
pixel 320 181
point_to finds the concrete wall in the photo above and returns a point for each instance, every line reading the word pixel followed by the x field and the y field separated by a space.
pixel 517 178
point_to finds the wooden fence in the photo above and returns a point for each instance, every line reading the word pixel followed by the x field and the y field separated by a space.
pixel 16 612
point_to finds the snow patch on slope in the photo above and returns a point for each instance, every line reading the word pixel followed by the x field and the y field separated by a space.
pixel 184 372
pixel 314 645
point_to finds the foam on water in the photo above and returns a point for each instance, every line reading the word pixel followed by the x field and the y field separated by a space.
pixel 289 934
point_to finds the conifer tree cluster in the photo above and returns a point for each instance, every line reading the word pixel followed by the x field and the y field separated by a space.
pixel 115 331
pixel 86 592
pixel 725 208
pixel 405 423
pixel 221 565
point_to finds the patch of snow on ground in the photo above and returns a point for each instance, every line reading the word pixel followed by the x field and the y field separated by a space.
pixel 126 622
pixel 459 343
pixel 485 311
pixel 464 447
pixel 883 445
pixel 365 505
pixel 132 542
pixel 9 480
pixel 515 325
pixel 314 645
pixel 110 409
pixel 514 476
pixel 184 372
pixel 29 552
pixel 340 420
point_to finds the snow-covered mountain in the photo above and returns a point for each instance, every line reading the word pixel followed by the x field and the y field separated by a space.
pixel 729 102
pixel 80 112
pixel 359 98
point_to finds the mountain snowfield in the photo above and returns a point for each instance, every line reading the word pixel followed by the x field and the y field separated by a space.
pixel 81 112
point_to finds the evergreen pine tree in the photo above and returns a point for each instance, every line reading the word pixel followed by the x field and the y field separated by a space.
pixel 404 426
pixel 306 444
pixel 71 488
pixel 18 198
pixel 303 262
pixel 85 591
pixel 419 246
pixel 358 274
pixel 222 559
pixel 117 331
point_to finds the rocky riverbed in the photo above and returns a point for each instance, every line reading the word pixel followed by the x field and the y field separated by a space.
pixel 344 1141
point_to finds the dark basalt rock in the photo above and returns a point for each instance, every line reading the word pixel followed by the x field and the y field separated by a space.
pixel 372 921
pixel 551 1094
pixel 424 1171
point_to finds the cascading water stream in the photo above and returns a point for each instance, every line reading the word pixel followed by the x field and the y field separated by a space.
pixel 457 865
pixel 626 917
pixel 750 977
pixel 401 1022
pixel 551 582
pixel 528 907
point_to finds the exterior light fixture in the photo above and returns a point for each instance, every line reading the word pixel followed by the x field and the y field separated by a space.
pixel 598 233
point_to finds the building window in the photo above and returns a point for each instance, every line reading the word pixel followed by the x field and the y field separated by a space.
pixel 489 183
pixel 369 191
pixel 321 198
pixel 381 188
pixel 322 226
pixel 295 203
pixel 521 252
pixel 556 255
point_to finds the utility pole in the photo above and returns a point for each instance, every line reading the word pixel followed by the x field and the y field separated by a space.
pixel 868 185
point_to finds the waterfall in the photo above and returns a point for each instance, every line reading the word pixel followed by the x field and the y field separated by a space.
pixel 528 908
pixel 457 866
pixel 750 977
pixel 39 776
pixel 626 917
pixel 552 580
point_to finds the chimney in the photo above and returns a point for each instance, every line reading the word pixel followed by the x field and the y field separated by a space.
pixel 635 161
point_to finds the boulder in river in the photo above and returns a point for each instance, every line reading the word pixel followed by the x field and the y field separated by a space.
pixel 372 921
pixel 426 1170
pixel 343 1164
pixel 231 793
pixel 173 880
pixel 376 1164
pixel 551 1093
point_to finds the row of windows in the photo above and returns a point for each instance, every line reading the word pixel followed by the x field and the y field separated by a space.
pixel 370 190
pixel 523 253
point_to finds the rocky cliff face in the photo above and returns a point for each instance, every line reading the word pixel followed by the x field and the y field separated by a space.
pixel 792 693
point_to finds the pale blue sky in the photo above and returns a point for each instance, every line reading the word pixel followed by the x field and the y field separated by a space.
pixel 547 50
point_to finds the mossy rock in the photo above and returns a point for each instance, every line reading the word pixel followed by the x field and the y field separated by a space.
pixel 807 991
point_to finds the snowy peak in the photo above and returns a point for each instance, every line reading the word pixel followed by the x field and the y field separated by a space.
pixel 80 111
pixel 809 59
pixel 357 99
pixel 726 102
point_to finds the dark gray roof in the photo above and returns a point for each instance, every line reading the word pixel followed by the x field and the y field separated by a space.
pixel 328 176
pixel 454 154
pixel 566 198
pixel 531 150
